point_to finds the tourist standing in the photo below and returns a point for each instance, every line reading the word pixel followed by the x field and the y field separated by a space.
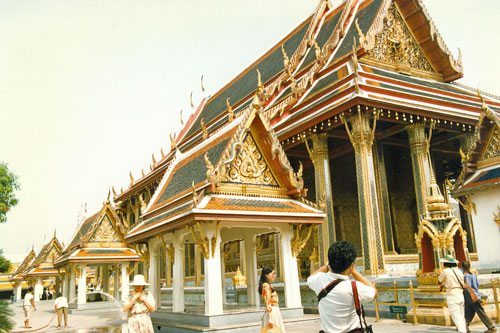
pixel 138 306
pixel 272 317
pixel 28 306
pixel 453 279
pixel 337 307
pixel 61 308
pixel 476 307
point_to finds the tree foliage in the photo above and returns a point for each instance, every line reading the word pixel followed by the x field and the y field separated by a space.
pixel 4 263
pixel 6 323
pixel 8 184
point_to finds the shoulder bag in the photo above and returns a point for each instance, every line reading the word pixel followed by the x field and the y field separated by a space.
pixel 470 296
pixel 360 311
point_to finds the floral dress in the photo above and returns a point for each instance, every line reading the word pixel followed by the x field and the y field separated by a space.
pixel 270 299
pixel 138 316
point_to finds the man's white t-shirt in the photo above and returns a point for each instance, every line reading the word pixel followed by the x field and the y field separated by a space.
pixel 61 302
pixel 337 309
pixel 27 299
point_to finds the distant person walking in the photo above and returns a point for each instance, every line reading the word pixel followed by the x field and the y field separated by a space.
pixel 338 296
pixel 453 279
pixel 28 306
pixel 476 307
pixel 61 308
pixel 139 304
pixel 272 320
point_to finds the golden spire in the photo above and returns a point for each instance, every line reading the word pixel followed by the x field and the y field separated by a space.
pixel 154 160
pixel 202 87
pixel 142 172
pixel 173 144
pixel 182 121
pixel 191 100
pixel 114 192
pixel 229 111
pixel 131 178
pixel 107 202
pixel 260 86
pixel 204 129
pixel 162 153
pixel 256 102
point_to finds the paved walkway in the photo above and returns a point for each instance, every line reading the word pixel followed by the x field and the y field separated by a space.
pixel 105 321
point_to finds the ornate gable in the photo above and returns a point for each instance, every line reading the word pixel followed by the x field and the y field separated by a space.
pixel 52 254
pixel 104 231
pixel 492 150
pixel 249 166
pixel 396 47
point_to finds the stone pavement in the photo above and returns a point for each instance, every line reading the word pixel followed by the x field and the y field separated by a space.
pixel 108 321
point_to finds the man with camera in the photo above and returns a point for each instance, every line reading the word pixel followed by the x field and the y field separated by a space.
pixel 337 295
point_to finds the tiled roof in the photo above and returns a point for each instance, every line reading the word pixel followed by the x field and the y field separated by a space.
pixel 123 253
pixel 249 204
pixel 482 181
pixel 83 229
pixel 269 66
pixel 195 170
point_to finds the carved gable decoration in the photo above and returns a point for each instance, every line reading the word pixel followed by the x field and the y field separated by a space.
pixel 493 148
pixel 104 232
pixel 396 46
pixel 52 255
pixel 249 166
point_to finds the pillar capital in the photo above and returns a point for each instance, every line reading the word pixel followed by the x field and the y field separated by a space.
pixel 362 129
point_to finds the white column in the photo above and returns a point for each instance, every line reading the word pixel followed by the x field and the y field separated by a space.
pixel 213 292
pixel 72 282
pixel 290 270
pixel 223 275
pixel 65 284
pixel 178 275
pixel 251 270
pixel 125 290
pixel 82 285
pixel 116 288
pixel 154 271
pixel 38 289
pixel 105 278
pixel 19 291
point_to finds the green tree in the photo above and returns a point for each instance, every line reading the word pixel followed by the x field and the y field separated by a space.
pixel 6 323
pixel 8 184
pixel 4 263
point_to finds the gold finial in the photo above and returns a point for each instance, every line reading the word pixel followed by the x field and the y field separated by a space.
pixel 121 189
pixel 162 153
pixel 204 129
pixel 142 172
pixel 153 157
pixel 173 144
pixel 256 102
pixel 260 86
pixel 484 107
pixel 114 192
pixel 459 61
pixel 107 201
pixel 131 178
pixel 182 121
pixel 143 203
pixel 229 111
pixel 202 87
pixel 286 60
pixel 360 33
pixel 191 100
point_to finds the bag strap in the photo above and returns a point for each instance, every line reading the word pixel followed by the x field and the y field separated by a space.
pixel 328 288
pixel 359 308
pixel 461 285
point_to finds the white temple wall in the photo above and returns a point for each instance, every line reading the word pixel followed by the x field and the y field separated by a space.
pixel 486 230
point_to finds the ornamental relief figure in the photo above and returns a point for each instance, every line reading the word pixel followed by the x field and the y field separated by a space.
pixel 249 166
pixel 396 45
pixel 493 149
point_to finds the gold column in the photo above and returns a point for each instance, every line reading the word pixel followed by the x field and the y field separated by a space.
pixel 197 266
pixel 419 146
pixel 361 133
pixel 323 185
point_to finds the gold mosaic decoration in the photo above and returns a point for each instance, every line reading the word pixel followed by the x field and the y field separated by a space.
pixel 249 166
pixel 104 233
pixel 396 45
pixel 493 149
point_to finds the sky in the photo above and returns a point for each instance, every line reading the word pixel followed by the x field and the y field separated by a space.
pixel 89 90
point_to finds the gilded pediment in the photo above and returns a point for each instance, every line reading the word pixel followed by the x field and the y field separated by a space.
pixel 396 46
pixel 493 148
pixel 52 255
pixel 104 232
pixel 249 166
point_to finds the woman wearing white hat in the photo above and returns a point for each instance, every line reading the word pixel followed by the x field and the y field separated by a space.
pixel 138 306
pixel 452 279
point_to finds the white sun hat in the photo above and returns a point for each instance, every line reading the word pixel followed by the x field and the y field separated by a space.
pixel 139 281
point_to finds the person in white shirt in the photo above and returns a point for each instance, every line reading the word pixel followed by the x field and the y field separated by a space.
pixel 337 309
pixel 452 279
pixel 61 308
pixel 28 306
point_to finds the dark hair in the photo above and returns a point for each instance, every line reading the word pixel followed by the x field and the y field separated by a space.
pixel 466 266
pixel 341 255
pixel 449 264
pixel 263 278
pixel 58 295
pixel 30 289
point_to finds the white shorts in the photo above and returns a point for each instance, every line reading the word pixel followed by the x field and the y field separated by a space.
pixel 27 311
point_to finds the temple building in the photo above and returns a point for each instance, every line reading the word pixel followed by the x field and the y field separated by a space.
pixel 18 279
pixel 97 245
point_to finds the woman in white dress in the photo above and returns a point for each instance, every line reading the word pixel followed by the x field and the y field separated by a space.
pixel 138 306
